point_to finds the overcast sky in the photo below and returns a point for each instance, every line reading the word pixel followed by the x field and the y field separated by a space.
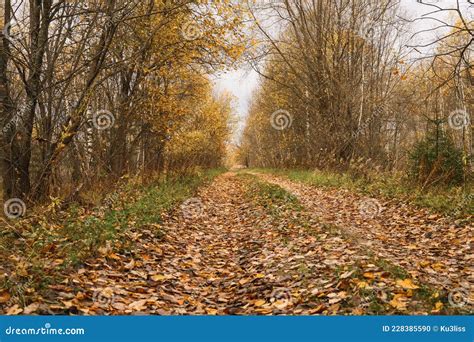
pixel 242 84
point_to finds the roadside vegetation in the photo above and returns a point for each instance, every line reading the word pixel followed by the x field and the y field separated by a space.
pixel 347 100
pixel 453 201
pixel 52 242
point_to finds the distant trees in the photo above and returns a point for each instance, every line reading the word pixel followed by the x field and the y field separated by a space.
pixel 339 85
pixel 92 90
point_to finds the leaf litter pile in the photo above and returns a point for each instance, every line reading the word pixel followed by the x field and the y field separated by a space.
pixel 251 244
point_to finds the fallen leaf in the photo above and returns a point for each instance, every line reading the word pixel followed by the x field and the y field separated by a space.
pixel 138 305
pixel 399 302
pixel 211 311
pixel 318 309
pixel 158 277
pixel 130 265
pixel 31 308
pixel 4 297
pixel 347 274
pixel 244 281
pixel 369 275
pixel 14 310
pixel 438 307
pixel 281 304
pixel 407 284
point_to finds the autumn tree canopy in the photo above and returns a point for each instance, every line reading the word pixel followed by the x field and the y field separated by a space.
pixel 94 90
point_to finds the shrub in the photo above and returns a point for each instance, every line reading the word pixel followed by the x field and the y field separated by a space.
pixel 436 160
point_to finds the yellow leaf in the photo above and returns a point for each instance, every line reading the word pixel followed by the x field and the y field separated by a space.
pixel 158 277
pixel 399 302
pixel 211 311
pixel 438 307
pixel 424 263
pixel 369 275
pixel 259 302
pixel 407 284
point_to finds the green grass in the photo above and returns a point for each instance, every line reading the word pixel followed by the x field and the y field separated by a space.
pixel 280 204
pixel 395 270
pixel 272 197
pixel 73 236
pixel 136 207
pixel 453 201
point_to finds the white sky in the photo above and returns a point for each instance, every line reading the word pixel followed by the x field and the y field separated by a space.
pixel 242 84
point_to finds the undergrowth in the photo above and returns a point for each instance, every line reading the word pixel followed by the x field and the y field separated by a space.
pixel 454 201
pixel 50 240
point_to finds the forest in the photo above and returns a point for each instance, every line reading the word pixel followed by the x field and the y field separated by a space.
pixel 132 183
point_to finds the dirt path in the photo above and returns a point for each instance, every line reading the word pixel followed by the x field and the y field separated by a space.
pixel 220 255
pixel 224 253
pixel 434 249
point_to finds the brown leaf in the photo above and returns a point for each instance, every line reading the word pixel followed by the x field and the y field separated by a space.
pixel 138 305
pixel 4 297
pixel 130 265
pixel 14 310
pixel 33 307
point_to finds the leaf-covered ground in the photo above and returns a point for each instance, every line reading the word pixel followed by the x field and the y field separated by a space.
pixel 435 249
pixel 258 244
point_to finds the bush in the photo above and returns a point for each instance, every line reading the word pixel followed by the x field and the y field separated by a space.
pixel 436 160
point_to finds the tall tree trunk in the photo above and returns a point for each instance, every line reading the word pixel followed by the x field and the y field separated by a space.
pixel 18 131
pixel 7 110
